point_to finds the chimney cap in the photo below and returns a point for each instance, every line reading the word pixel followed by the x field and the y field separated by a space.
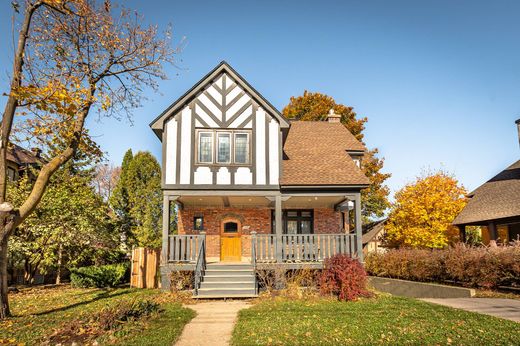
pixel 517 121
pixel 333 117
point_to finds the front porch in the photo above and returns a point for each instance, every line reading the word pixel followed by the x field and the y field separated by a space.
pixel 264 230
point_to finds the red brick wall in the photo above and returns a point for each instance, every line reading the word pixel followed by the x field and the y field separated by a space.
pixel 252 219
pixel 327 220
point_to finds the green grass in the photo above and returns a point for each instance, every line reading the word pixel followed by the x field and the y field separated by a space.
pixel 382 320
pixel 38 313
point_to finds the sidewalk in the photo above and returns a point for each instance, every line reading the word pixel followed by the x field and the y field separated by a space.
pixel 213 324
pixel 508 309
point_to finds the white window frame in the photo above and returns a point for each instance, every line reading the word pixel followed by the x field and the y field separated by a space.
pixel 248 145
pixel 231 153
pixel 212 146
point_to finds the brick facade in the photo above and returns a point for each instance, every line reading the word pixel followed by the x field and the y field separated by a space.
pixel 326 220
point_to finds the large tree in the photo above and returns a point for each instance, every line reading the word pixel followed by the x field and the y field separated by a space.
pixel 423 211
pixel 72 57
pixel 137 199
pixel 314 107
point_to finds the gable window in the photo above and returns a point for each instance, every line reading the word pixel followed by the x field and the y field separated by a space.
pixel 242 148
pixel 205 148
pixel 224 147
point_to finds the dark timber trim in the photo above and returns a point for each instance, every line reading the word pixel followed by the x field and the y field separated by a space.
pixel 157 124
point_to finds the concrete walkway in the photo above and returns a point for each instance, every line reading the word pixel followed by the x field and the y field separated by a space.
pixel 213 324
pixel 504 308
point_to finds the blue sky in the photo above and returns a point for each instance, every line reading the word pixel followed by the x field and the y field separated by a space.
pixel 438 80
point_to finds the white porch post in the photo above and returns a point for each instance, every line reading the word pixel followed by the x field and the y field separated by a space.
pixel 359 231
pixel 165 228
pixel 278 226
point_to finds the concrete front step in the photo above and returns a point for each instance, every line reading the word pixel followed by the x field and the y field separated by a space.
pixel 229 272
pixel 228 278
pixel 228 284
pixel 230 266
pixel 228 292
pixel 226 296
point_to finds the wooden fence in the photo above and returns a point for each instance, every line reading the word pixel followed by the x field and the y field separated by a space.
pixel 145 268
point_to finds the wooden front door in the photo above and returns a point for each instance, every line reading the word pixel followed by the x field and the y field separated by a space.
pixel 230 242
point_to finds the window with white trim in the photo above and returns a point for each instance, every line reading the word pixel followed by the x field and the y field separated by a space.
pixel 241 148
pixel 205 147
pixel 223 147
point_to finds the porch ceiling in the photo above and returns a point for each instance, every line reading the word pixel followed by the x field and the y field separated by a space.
pixel 224 201
pixel 310 202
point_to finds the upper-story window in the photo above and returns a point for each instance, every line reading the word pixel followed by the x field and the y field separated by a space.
pixel 205 148
pixel 223 147
pixel 242 148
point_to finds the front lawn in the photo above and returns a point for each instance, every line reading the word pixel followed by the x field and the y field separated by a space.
pixel 40 314
pixel 382 320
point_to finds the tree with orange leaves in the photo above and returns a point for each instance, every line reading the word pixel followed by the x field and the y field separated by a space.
pixel 73 58
pixel 423 211
pixel 315 107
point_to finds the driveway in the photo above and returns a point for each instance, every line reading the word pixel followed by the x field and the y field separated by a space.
pixel 508 309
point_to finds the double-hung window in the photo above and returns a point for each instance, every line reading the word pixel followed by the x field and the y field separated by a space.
pixel 205 148
pixel 223 147
pixel 242 148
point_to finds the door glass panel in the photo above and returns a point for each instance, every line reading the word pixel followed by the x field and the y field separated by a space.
pixel 306 227
pixel 230 227
pixel 292 227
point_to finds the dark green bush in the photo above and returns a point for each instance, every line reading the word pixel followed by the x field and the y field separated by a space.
pixel 109 275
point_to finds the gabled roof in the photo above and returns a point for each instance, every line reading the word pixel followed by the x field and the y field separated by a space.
pixel 372 230
pixel 498 198
pixel 316 153
pixel 21 156
pixel 157 124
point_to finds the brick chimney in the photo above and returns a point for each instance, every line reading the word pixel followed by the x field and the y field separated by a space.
pixel 518 127
pixel 333 117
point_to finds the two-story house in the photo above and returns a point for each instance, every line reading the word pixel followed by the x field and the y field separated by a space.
pixel 252 188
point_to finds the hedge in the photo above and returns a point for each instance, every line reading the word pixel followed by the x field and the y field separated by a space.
pixel 486 267
pixel 109 275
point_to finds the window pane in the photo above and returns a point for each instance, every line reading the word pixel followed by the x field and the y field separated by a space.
pixel 292 227
pixel 292 213
pixel 241 148
pixel 306 214
pixel 205 147
pixel 306 227
pixel 224 148
pixel 230 227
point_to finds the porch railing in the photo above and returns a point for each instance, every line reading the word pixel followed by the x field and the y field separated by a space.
pixel 301 247
pixel 200 266
pixel 185 248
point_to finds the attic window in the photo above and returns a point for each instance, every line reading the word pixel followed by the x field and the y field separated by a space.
pixel 357 161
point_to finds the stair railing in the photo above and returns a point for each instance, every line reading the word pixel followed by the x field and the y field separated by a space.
pixel 253 258
pixel 200 265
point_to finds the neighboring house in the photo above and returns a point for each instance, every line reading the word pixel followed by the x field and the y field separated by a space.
pixel 373 234
pixel 495 206
pixel 20 160
pixel 252 187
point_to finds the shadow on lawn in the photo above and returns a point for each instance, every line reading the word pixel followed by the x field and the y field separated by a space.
pixel 105 294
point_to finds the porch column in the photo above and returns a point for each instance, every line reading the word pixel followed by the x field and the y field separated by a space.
pixel 278 226
pixel 462 230
pixel 165 229
pixel 359 231
pixel 493 235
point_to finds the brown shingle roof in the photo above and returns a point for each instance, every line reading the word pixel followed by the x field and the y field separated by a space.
pixel 21 156
pixel 316 154
pixel 496 199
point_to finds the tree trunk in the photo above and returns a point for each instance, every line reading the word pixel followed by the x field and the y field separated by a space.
pixel 4 304
pixel 58 270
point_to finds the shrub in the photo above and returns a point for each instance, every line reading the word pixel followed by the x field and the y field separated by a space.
pixel 487 267
pixel 181 280
pixel 109 275
pixel 343 277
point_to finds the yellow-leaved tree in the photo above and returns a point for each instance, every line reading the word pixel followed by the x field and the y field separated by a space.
pixel 423 211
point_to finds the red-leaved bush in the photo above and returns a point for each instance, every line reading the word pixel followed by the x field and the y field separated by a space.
pixel 487 267
pixel 343 277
